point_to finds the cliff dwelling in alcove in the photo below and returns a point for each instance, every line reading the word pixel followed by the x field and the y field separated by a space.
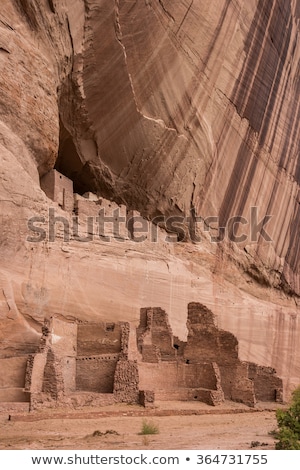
pixel 59 188
pixel 82 363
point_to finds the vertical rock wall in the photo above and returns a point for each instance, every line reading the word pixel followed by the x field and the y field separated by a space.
pixel 171 108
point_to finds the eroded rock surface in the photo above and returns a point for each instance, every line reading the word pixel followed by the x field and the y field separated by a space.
pixel 186 109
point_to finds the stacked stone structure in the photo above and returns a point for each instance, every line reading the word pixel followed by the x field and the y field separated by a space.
pixel 82 363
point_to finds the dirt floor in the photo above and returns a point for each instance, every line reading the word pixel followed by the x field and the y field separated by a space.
pixel 181 426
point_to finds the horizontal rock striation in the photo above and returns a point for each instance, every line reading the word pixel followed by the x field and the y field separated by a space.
pixel 185 109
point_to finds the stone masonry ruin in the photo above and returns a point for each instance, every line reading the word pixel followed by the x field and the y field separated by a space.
pixel 59 188
pixel 85 363
pixel 95 215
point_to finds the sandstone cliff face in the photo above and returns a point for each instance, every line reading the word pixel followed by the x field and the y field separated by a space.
pixel 174 109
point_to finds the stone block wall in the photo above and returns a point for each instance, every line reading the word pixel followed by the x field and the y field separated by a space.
pixel 243 388
pixel 146 398
pixel 207 362
pixel 53 384
pixel 107 359
pixel 228 374
pixel 267 386
pixel 126 382
pixel 35 372
pixel 200 376
pixel 210 397
pixel 179 381
pixel 106 218
pixel 84 207
pixel 157 376
pixel 125 340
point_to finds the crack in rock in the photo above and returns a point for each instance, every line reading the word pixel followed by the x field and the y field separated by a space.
pixel 119 37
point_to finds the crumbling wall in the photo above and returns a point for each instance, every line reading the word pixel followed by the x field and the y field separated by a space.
pixel 62 338
pixel 207 366
pixel 35 372
pixel 126 382
pixel 157 376
pixel 155 337
pixel 228 373
pixel 53 383
pixel 206 342
pixel 201 375
pixel 267 386
pixel 242 389
pixel 88 363
pixel 98 349
pixel 180 381
pixel 147 398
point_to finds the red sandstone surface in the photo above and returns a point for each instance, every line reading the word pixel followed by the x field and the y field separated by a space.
pixel 163 111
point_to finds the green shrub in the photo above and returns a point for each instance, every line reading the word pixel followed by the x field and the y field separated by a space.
pixel 149 428
pixel 288 434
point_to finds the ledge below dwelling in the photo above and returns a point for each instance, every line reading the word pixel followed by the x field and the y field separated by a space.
pixel 210 397
pixel 74 400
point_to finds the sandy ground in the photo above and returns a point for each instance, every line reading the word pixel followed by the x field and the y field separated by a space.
pixel 181 426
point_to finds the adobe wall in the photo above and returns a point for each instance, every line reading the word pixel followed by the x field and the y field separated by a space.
pixel 100 217
pixel 172 375
pixel 59 188
pixel 63 337
pixel 96 374
pixel 155 376
pixel 13 394
pixel 96 339
pixel 12 379
pixel 12 371
pixel 108 218
pixel 69 373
